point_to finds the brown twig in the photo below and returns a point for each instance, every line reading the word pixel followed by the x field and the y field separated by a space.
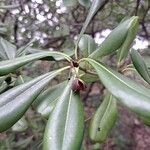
pixel 15 32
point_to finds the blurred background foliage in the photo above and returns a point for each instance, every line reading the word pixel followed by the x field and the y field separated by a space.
pixel 54 25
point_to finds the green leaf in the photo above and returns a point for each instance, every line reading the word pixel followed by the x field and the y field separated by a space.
pixel 89 78
pixel 20 126
pixel 2 79
pixel 3 87
pixel 70 3
pixel 69 52
pixel 146 60
pixel 31 50
pixel 64 129
pixel 15 102
pixel 7 50
pixel 9 66
pixel 140 65
pixel 66 52
pixel 3 30
pixel 113 41
pixel 46 101
pixel 24 49
pixel 103 119
pixel 128 92
pixel 85 3
pixel 22 79
pixel 87 45
pixel 123 50
pixel 96 4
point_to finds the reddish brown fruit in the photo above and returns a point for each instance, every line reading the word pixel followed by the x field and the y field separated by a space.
pixel 78 85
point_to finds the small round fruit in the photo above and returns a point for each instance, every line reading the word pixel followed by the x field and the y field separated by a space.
pixel 78 85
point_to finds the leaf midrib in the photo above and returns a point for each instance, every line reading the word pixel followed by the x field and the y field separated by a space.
pixel 110 100
pixel 51 75
pixel 20 93
pixel 116 77
pixel 110 97
pixel 67 118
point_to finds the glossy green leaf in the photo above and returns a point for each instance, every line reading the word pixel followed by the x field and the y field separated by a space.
pixel 123 50
pixel 131 94
pixel 46 101
pixel 89 78
pixel 22 79
pixel 103 119
pixel 113 41
pixel 9 66
pixel 15 102
pixel 69 52
pixel 64 129
pixel 96 4
pixel 7 50
pixel 87 45
pixel 66 52
pixel 20 126
pixel 140 65
pixel 85 3
pixel 70 3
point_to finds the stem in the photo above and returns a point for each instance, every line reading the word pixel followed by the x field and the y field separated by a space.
pixel 64 68
pixel 76 51
pixel 83 59
pixel 79 38
pixel 10 6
